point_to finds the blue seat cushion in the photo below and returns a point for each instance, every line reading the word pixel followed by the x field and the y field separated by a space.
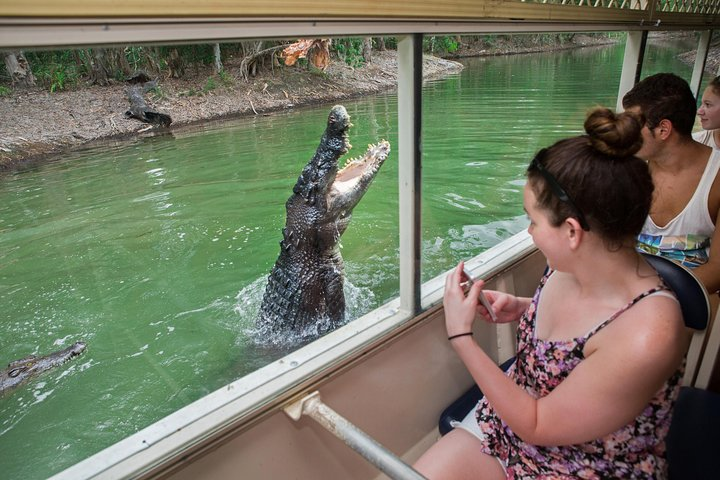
pixel 690 292
pixel 460 407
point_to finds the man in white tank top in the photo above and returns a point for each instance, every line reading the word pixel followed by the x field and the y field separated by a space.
pixel 686 201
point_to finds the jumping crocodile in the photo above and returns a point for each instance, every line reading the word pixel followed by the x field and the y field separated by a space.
pixel 21 370
pixel 304 295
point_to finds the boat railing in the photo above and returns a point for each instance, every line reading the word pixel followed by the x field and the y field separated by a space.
pixel 372 451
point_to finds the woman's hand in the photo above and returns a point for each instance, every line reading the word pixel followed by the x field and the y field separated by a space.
pixel 507 308
pixel 462 305
pixel 460 309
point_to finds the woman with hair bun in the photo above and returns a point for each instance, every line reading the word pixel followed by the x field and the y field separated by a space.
pixel 601 344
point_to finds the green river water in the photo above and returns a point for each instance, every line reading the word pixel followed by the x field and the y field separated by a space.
pixel 155 251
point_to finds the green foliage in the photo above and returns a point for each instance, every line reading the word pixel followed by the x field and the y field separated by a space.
pixel 443 44
pixel 391 43
pixel 317 72
pixel 226 79
pixel 135 57
pixel 63 69
pixel 5 91
pixel 191 54
pixel 55 70
pixel 349 50
pixel 489 40
pixel 158 93
pixel 58 79
pixel 191 92
pixel 210 85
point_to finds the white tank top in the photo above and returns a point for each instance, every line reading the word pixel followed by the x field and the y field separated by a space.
pixel 685 238
pixel 705 137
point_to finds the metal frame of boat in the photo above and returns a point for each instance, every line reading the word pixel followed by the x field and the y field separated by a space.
pixel 380 382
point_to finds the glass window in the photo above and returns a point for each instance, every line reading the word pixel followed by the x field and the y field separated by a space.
pixel 154 249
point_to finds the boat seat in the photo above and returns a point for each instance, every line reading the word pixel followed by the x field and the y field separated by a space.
pixel 693 441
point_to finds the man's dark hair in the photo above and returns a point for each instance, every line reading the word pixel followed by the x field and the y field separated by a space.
pixel 664 96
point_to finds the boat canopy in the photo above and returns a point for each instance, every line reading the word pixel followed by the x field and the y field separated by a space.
pixel 59 23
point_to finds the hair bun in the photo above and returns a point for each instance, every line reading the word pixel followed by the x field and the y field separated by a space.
pixel 616 135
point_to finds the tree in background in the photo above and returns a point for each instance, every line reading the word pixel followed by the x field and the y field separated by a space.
pixel 100 72
pixel 218 58
pixel 19 70
pixel 367 49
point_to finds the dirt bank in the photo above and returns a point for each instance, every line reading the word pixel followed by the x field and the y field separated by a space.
pixel 37 123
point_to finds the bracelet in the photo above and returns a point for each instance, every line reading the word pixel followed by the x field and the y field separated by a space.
pixel 460 335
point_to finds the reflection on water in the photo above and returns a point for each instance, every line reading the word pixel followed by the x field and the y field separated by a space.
pixel 155 251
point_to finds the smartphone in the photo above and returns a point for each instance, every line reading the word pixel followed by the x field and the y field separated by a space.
pixel 483 298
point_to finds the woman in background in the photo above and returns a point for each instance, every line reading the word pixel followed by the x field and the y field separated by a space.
pixel 709 113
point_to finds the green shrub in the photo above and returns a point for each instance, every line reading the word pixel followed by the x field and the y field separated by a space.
pixel 158 93
pixel 349 50
pixel 209 85
pixel 226 79
pixel 443 44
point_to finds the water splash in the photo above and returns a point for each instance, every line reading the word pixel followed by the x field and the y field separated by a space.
pixel 249 299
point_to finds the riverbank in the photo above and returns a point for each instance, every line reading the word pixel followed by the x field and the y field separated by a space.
pixel 38 125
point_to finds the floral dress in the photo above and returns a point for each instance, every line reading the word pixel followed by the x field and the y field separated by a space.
pixel 635 451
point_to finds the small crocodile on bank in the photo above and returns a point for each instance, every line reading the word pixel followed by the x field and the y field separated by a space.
pixel 304 295
pixel 21 370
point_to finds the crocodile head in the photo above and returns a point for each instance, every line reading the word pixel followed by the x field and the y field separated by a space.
pixel 21 370
pixel 336 191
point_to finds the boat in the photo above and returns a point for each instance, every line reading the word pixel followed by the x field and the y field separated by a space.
pixel 363 401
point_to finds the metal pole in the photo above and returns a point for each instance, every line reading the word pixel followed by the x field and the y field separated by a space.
pixel 632 64
pixel 361 442
pixel 700 59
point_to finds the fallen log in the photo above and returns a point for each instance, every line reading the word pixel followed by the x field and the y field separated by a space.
pixel 140 110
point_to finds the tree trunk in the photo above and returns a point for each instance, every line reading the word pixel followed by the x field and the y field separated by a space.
pixel 100 74
pixel 123 62
pixel 151 56
pixel 19 69
pixel 367 49
pixel 380 44
pixel 79 63
pixel 218 58
pixel 175 64
pixel 252 54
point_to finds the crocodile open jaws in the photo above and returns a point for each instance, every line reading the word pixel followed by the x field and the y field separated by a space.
pixel 304 295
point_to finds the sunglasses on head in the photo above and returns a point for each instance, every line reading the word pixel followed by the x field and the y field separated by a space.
pixel 557 189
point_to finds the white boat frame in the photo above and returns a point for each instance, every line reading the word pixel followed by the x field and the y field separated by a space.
pixel 390 372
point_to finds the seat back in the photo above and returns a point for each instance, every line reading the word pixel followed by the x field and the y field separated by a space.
pixel 692 295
